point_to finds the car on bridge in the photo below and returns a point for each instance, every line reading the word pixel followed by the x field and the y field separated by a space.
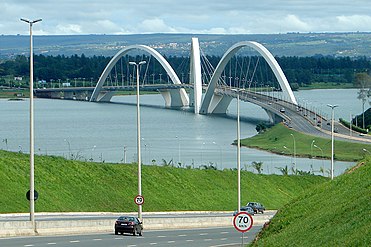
pixel 128 224
pixel 256 206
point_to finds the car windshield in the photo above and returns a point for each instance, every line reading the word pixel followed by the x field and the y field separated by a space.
pixel 125 218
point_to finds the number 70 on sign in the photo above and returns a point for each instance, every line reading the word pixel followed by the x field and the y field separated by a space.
pixel 242 222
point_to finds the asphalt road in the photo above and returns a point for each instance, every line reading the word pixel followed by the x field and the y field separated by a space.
pixel 96 216
pixel 210 237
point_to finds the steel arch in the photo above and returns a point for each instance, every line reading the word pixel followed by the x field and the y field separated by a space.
pixel 225 59
pixel 169 70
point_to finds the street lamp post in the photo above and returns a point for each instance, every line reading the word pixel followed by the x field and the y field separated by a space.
pixel 238 153
pixel 137 65
pixel 322 155
pixel 332 139
pixel 311 150
pixel 221 155
pixel 294 152
pixel 69 148
pixel 124 154
pixel 290 152
pixel 178 149
pixel 32 168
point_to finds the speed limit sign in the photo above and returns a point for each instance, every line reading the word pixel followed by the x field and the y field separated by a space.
pixel 139 200
pixel 242 222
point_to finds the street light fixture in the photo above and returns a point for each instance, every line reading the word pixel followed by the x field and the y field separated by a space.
pixel 32 165
pixel 332 139
pixel 137 65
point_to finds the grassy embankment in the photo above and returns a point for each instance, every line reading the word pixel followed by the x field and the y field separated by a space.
pixel 65 185
pixel 279 135
pixel 334 213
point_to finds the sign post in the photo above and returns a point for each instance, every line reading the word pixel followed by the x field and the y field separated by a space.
pixel 242 222
pixel 139 200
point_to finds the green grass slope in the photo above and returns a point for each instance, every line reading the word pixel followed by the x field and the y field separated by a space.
pixel 73 186
pixel 335 213
pixel 273 140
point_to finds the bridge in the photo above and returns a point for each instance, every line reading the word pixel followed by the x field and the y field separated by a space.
pixel 218 94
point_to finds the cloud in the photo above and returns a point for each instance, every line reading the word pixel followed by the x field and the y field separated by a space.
pixel 68 29
pixel 293 22
pixel 155 25
pixel 354 22
pixel 194 16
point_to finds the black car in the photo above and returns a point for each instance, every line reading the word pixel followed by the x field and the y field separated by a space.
pixel 128 224
pixel 257 207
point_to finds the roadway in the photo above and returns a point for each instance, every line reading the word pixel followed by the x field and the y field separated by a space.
pixel 108 215
pixel 211 237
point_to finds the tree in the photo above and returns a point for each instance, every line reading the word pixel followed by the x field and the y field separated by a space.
pixel 363 80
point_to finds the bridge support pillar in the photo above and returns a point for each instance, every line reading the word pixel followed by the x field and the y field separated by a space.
pixel 220 103
pixel 273 118
pixel 173 97
pixel 195 76
pixel 105 96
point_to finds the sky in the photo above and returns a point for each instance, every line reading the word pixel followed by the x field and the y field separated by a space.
pixel 70 17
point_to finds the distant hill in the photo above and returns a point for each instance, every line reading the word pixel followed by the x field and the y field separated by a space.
pixel 289 44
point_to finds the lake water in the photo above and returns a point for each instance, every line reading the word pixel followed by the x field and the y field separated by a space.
pixel 107 131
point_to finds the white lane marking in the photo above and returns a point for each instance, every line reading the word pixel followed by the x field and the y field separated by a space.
pixel 208 239
pixel 189 240
pixel 75 241
pixel 161 236
pixel 133 245
pixel 182 235
pixel 97 239
pixel 203 234
pixel 223 239
pixel 118 238
pixel 28 245
pixel 170 242
pixel 224 232
pixel 52 243
pixel 152 243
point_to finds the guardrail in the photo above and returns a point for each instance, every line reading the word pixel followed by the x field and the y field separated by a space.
pixel 66 227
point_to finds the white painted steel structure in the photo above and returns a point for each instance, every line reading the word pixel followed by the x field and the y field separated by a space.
pixel 217 104
pixel 195 75
pixel 176 97
pixel 211 103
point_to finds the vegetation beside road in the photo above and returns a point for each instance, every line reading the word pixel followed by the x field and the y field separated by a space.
pixel 77 186
pixel 334 213
pixel 274 139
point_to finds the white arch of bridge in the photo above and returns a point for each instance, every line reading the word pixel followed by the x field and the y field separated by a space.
pixel 208 105
pixel 169 70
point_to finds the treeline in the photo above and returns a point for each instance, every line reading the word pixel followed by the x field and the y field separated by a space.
pixel 300 71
